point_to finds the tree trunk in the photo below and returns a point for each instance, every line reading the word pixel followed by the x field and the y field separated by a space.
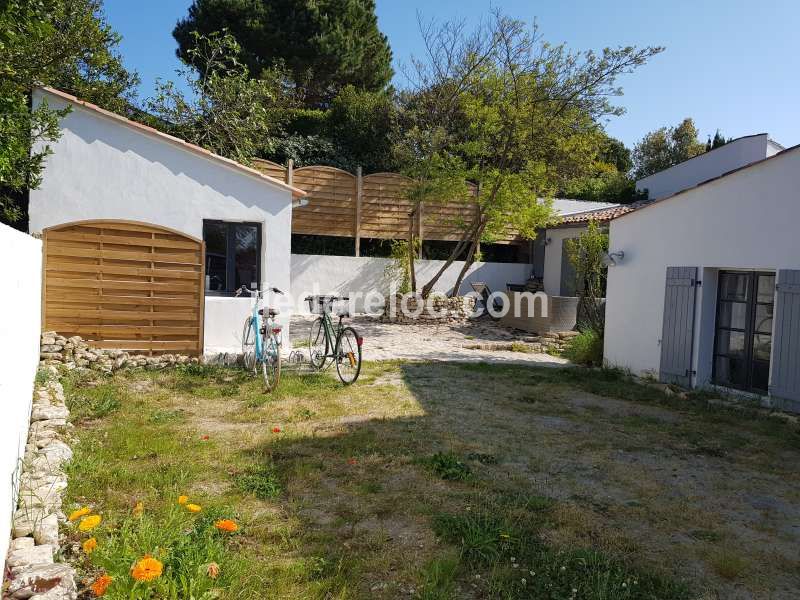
pixel 468 262
pixel 428 287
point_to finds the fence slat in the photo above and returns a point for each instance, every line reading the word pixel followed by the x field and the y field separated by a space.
pixel 125 285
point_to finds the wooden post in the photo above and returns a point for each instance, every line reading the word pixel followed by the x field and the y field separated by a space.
pixel 359 195
pixel 290 172
pixel 420 214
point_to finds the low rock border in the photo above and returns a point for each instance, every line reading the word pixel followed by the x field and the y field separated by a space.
pixel 31 569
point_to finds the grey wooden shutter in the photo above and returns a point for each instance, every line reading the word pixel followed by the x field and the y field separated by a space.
pixel 677 334
pixel 785 379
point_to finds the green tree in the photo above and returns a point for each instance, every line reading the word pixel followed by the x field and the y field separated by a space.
pixel 719 140
pixel 514 114
pixel 324 45
pixel 226 111
pixel 665 147
pixel 62 43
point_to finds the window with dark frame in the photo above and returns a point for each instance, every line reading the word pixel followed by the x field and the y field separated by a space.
pixel 743 339
pixel 233 256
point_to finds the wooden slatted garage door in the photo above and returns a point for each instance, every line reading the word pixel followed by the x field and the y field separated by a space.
pixel 121 284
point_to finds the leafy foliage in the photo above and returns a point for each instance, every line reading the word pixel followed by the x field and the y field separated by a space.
pixel 62 43
pixel 225 110
pixel 665 147
pixel 356 131
pixel 448 466
pixel 322 45
pixel 586 253
pixel 514 114
pixel 585 349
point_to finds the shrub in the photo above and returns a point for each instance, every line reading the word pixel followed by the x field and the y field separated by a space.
pixel 447 466
pixel 585 349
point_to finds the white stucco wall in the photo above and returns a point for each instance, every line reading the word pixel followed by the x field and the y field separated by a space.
pixel 104 169
pixel 340 275
pixel 552 256
pixel 746 220
pixel 689 173
pixel 20 325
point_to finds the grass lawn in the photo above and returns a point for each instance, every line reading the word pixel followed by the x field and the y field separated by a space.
pixel 434 481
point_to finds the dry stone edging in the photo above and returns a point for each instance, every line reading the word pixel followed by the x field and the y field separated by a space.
pixel 32 572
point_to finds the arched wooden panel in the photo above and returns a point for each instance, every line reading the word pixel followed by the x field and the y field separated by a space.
pixel 331 206
pixel 123 284
pixel 267 167
pixel 385 206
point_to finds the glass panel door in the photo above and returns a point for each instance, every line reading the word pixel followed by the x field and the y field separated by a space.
pixel 743 342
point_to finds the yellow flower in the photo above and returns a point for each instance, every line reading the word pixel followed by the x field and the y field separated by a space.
pixel 183 500
pixel 75 515
pixel 195 508
pixel 89 523
pixel 147 569
pixel 138 509
pixel 213 570
pixel 89 545
pixel 226 525
pixel 100 586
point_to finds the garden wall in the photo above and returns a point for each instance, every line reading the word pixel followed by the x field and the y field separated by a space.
pixel 349 274
pixel 20 324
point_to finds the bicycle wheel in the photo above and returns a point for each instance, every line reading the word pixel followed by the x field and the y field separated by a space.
pixel 249 345
pixel 271 364
pixel 318 344
pixel 348 355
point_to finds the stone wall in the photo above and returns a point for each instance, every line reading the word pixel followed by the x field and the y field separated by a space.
pixel 31 570
pixel 436 308
pixel 74 352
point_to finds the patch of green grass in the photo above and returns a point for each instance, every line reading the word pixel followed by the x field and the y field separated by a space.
pixel 166 416
pixel 448 466
pixel 437 578
pixel 260 481
pixel 521 347
pixel 95 402
pixel 504 541
pixel 728 564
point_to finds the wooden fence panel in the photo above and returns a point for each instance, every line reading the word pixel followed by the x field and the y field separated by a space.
pixel 331 206
pixel 334 208
pixel 126 285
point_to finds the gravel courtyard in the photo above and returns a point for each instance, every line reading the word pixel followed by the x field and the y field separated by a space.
pixel 431 341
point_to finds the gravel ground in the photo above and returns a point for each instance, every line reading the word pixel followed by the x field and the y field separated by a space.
pixel 434 342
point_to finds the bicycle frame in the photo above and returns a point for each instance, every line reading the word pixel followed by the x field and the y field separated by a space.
pixel 261 323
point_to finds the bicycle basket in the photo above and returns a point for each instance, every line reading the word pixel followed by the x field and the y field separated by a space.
pixel 320 304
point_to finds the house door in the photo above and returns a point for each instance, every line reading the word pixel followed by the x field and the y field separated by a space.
pixel 743 341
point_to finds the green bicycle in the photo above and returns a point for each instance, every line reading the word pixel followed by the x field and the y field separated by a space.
pixel 336 343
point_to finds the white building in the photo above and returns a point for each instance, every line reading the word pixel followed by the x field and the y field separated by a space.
pixel 708 289
pixel 105 166
pixel 733 155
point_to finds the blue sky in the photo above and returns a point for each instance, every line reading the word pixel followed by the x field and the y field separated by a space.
pixel 729 64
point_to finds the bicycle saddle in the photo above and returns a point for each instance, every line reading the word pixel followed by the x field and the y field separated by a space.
pixel 272 312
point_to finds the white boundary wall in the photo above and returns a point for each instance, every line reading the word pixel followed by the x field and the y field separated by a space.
pixel 339 275
pixel 20 326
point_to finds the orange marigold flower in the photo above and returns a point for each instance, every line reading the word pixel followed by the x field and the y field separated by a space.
pixel 213 570
pixel 81 512
pixel 276 429
pixel 101 584
pixel 226 525
pixel 89 545
pixel 138 509
pixel 183 500
pixel 195 508
pixel 90 522
pixel 147 569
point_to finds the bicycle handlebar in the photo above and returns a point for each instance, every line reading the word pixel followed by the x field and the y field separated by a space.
pixel 244 288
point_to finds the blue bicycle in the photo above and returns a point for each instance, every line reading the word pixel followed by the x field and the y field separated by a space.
pixel 261 339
